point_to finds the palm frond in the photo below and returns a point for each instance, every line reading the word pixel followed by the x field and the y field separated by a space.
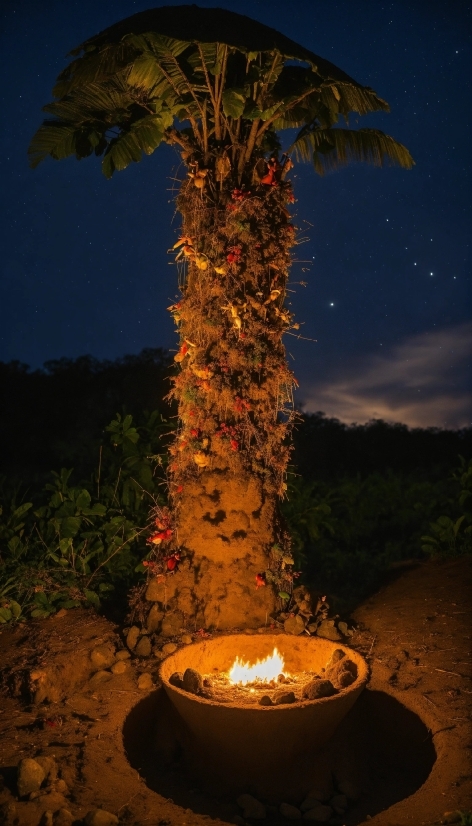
pixel 145 135
pixel 331 149
pixel 52 138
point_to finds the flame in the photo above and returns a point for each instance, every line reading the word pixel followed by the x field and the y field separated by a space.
pixel 263 671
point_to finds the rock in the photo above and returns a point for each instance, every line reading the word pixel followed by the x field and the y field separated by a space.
pixel 338 654
pixel 154 619
pixel 122 655
pixel 294 625
pixel 322 789
pixel 290 812
pixel 251 806
pixel 451 817
pixel 49 766
pixel 144 647
pixel 206 694
pixel 120 667
pixel 281 678
pixel 161 590
pixel 172 624
pixel 318 688
pixel 103 656
pixel 186 639
pixel 132 637
pixel 265 700
pixel 283 698
pixel 177 679
pixel 61 613
pixel 345 631
pixel 169 648
pixel 319 813
pixel 145 681
pixel 192 681
pixel 99 817
pixel 158 653
pixel 328 631
pixel 339 803
pixel 343 673
pixel 8 816
pixel 348 788
pixel 61 786
pixel 30 776
pixel 63 817
pixel 249 631
pixel 46 818
pixel 101 677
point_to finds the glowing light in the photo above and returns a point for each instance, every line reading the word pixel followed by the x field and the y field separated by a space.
pixel 262 671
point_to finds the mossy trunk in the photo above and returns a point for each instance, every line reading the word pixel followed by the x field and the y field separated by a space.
pixel 234 393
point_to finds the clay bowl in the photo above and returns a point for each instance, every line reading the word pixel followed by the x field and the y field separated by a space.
pixel 250 743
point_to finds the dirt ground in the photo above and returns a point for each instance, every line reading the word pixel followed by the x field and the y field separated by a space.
pixel 406 744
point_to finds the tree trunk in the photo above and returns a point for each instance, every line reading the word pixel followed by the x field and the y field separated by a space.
pixel 234 393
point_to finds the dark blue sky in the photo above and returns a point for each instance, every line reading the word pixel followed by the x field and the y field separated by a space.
pixel 85 267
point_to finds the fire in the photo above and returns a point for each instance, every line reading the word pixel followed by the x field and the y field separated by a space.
pixel 262 671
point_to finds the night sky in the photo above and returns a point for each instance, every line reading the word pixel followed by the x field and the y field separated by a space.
pixel 85 263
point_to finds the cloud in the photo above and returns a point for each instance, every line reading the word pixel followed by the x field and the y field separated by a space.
pixel 421 382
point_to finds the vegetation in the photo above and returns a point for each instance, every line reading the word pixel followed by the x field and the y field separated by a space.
pixel 221 88
pixel 78 537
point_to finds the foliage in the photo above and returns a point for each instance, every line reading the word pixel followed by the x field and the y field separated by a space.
pixel 55 416
pixel 134 86
pixel 348 533
pixel 76 543
pixel 452 535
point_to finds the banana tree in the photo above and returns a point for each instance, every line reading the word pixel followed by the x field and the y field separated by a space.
pixel 221 88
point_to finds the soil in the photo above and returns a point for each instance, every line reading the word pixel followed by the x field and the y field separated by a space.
pixel 406 744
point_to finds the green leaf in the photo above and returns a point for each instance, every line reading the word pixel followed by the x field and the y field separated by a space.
pixel 5 615
pixel 234 102
pixel 83 499
pixel 18 513
pixel 41 612
pixel 15 608
pixel 92 597
pixel 70 526
pixel 283 595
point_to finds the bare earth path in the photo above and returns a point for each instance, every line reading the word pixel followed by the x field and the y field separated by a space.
pixel 415 633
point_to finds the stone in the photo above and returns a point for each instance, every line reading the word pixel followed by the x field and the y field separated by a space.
pixel 99 817
pixel 101 677
pixel 343 673
pixel 49 765
pixel 206 693
pixel 186 639
pixel 345 631
pixel 161 590
pixel 103 656
pixel 132 637
pixel 154 619
pixel 30 775
pixel 158 653
pixel 144 647
pixel 338 654
pixel 339 803
pixel 283 698
pixel 61 613
pixel 192 681
pixel 46 818
pixel 319 813
pixel 120 667
pixel 172 624
pixel 290 812
pixel 318 688
pixel 323 787
pixel 63 817
pixel 177 679
pixel 61 786
pixel 265 700
pixel 251 807
pixel 169 648
pixel 8 816
pixel 122 655
pixel 451 817
pixel 145 681
pixel 328 631
pixel 348 788
pixel 294 625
